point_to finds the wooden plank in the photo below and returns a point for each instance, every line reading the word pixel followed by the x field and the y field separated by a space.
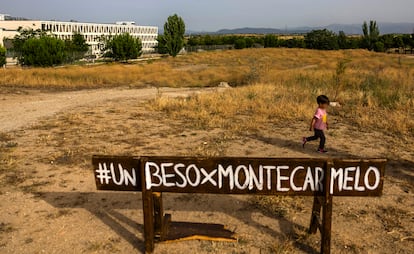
pixel 148 208
pixel 182 231
pixel 165 227
pixel 234 175
pixel 357 177
pixel 264 176
pixel 315 216
pixel 120 173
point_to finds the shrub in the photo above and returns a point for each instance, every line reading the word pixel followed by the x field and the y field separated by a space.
pixel 321 39
pixel 43 51
pixel 123 47
pixel 240 43
pixel 2 56
pixel 270 41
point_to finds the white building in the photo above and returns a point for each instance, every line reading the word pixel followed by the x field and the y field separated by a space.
pixel 92 32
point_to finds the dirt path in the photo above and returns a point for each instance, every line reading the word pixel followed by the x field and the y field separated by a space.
pixel 17 111
pixel 49 202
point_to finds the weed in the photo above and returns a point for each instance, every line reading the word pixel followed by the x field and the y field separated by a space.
pixel 276 205
pixel 6 228
pixel 60 213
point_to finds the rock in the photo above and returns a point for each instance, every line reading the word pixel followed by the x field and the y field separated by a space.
pixel 334 104
pixel 224 85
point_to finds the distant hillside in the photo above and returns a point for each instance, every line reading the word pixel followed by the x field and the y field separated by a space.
pixel 250 30
pixel 385 28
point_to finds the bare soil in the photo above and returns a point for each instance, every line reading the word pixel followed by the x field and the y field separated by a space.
pixel 49 204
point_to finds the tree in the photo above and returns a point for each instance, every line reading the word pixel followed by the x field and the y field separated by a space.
pixel 240 43
pixel 292 43
pixel 2 56
pixel 407 40
pixel 379 46
pixel 387 40
pixel 411 42
pixel 342 40
pixel 321 39
pixel 174 30
pixel 161 48
pixel 371 34
pixel 270 41
pixel 43 51
pixel 123 47
pixel 194 41
pixel 22 36
pixel 249 42
pixel 76 48
pixel 398 42
pixel 208 40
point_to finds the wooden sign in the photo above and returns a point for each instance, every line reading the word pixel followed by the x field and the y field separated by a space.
pixel 118 173
pixel 321 178
pixel 231 175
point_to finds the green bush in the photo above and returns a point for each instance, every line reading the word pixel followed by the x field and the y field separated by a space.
pixel 379 47
pixel 76 48
pixel 321 39
pixel 2 56
pixel 161 48
pixel 124 47
pixel 270 41
pixel 240 43
pixel 43 51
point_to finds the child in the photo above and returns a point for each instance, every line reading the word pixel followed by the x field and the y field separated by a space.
pixel 319 123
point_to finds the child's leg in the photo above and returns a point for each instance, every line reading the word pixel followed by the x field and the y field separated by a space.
pixel 322 139
pixel 314 137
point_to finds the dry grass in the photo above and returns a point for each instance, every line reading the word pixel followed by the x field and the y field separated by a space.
pixel 247 108
pixel 376 90
pixel 203 69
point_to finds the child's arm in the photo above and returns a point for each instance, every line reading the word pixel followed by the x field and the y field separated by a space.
pixel 312 124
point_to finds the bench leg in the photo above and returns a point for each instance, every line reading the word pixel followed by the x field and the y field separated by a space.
pixel 326 225
pixel 327 211
pixel 148 208
pixel 158 214
pixel 315 216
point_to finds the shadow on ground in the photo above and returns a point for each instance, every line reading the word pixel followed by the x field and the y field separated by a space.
pixel 109 202
pixel 397 168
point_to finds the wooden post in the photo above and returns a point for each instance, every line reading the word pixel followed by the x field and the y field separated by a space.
pixel 315 215
pixel 327 211
pixel 148 208
pixel 158 214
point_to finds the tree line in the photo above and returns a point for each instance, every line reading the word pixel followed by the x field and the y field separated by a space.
pixel 38 48
pixel 322 39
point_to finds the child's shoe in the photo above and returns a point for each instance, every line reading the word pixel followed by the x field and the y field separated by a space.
pixel 322 151
pixel 304 140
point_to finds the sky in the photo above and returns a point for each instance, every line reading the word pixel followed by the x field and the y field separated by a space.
pixel 212 15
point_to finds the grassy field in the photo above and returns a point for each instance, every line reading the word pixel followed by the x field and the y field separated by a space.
pixel 45 171
pixel 375 90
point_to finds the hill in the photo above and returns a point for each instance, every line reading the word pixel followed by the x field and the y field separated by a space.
pixel 385 28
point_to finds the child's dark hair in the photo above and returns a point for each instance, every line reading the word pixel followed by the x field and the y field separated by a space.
pixel 322 99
